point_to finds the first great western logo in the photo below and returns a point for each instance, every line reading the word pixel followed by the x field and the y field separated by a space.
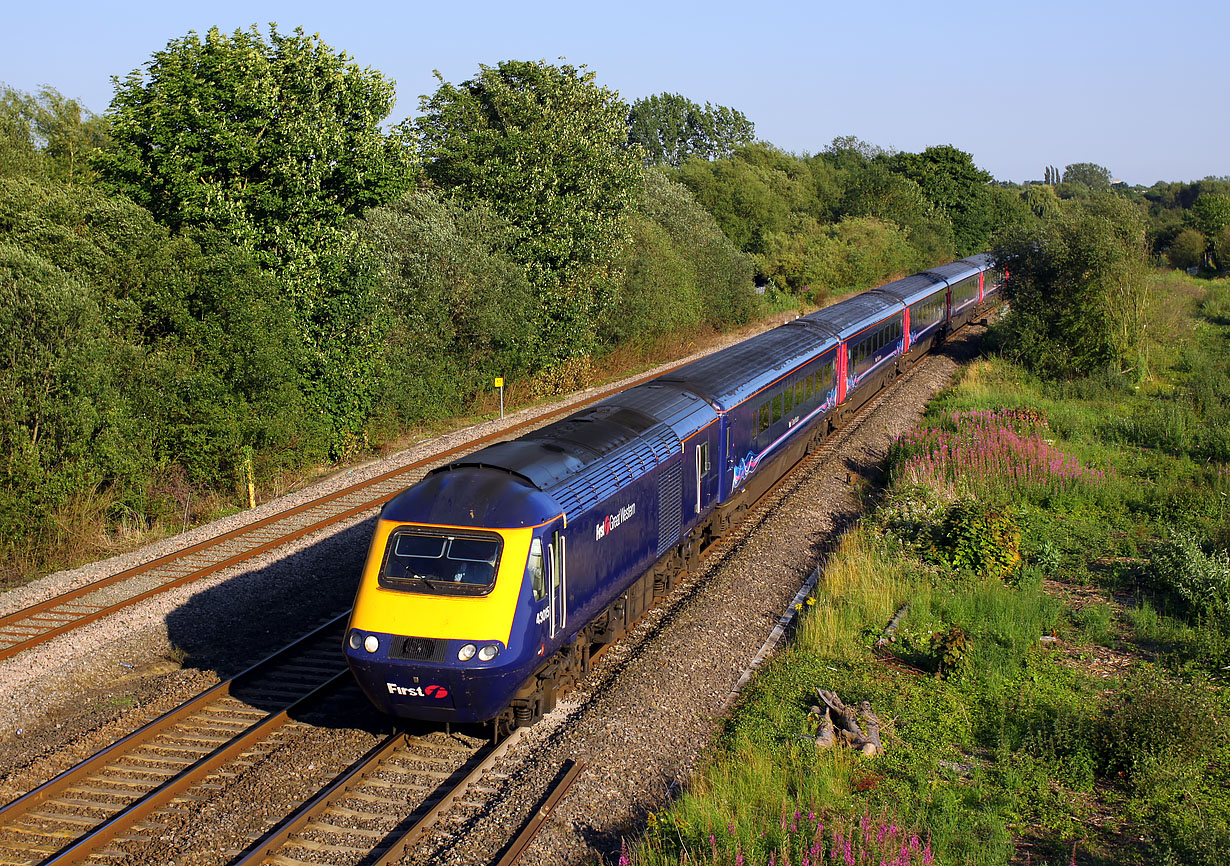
pixel 613 521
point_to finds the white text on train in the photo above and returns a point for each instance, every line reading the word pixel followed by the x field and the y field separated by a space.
pixel 612 521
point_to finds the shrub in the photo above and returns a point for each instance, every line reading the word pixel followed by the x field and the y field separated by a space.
pixel 1202 580
pixel 979 538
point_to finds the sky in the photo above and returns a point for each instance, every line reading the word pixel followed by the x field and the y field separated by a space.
pixel 1140 88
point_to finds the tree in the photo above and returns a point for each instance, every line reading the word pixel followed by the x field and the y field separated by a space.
pixel 1186 250
pixel 48 135
pixel 456 305
pixel 679 272
pixel 671 129
pixel 274 143
pixel 546 149
pixel 1077 287
pixel 1088 174
pixel 875 191
pixel 1210 214
pixel 949 179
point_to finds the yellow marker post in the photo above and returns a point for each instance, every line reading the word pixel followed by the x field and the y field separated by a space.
pixel 499 383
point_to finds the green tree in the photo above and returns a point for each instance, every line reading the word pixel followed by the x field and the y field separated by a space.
pixel 47 135
pixel 679 271
pixel 754 193
pixel 132 356
pixel 1210 214
pixel 545 148
pixel 951 181
pixel 1077 287
pixel 671 129
pixel 874 191
pixel 1186 250
pixel 1088 174
pixel 274 144
pixel 456 306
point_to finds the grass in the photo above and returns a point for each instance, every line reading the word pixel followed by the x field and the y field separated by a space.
pixel 1053 695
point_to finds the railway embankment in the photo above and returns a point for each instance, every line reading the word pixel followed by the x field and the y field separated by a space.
pixel 1053 554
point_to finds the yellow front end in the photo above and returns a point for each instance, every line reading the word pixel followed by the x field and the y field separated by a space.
pixel 443 617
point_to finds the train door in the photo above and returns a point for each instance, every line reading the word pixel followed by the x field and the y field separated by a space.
pixel 706 468
pixel 557 579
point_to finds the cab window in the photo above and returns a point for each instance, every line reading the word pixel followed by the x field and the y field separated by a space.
pixel 436 563
pixel 536 570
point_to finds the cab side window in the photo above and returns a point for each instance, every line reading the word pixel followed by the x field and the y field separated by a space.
pixel 536 570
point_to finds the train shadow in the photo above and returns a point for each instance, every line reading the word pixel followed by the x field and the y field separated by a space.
pixel 227 628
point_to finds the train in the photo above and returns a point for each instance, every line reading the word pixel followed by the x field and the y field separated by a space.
pixel 490 584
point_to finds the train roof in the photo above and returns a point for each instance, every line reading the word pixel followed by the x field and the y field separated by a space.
pixel 954 271
pixel 584 458
pixel 913 288
pixel 472 496
pixel 728 377
pixel 846 318
pixel 982 261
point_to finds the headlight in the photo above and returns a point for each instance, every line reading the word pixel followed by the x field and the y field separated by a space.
pixel 466 652
pixel 371 643
pixel 356 639
pixel 487 653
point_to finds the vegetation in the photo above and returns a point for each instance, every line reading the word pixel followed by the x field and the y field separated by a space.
pixel 544 147
pixel 672 129
pixel 237 269
pixel 1056 690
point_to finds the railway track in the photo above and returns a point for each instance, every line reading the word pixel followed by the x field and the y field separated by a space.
pixel 70 818
pixel 41 622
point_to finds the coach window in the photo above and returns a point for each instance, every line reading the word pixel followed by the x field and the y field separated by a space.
pixel 777 408
pixel 788 398
pixel 537 573
pixel 763 424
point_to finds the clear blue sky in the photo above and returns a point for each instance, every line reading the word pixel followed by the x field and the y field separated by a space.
pixel 1137 87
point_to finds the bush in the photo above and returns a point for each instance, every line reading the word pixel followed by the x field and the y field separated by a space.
pixel 977 537
pixel 1202 580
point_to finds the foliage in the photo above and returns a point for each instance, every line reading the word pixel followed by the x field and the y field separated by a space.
pixel 1211 215
pixel 853 254
pixel 274 146
pixel 978 538
pixel 890 196
pixel 1202 580
pixel 753 193
pixel 1186 250
pixel 679 271
pixel 951 181
pixel 1088 174
pixel 455 305
pixel 133 357
pixel 273 143
pixel 671 129
pixel 47 135
pixel 1077 288
pixel 544 147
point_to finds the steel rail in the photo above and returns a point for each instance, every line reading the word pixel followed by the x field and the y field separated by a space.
pixel 85 846
pixel 40 622
pixel 559 788
pixel 166 722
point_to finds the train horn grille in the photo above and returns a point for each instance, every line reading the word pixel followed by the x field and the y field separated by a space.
pixel 418 649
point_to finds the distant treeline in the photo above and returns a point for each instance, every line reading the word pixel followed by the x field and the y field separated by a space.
pixel 235 270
